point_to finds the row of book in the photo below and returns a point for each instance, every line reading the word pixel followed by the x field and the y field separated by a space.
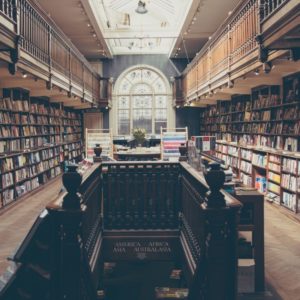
pixel 288 114
pixel 246 154
pixel 289 181
pixel 234 151
pixel 259 160
pixel 275 159
pixel 264 101
pixel 21 160
pixel 20 144
pixel 274 167
pixel 289 200
pixel 274 177
pixel 246 179
pixel 246 167
pixel 11 194
pixel 14 105
pixel 289 165
pixel 275 142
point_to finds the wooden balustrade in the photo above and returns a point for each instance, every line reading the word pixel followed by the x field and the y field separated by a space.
pixel 140 195
pixel 268 7
pixel 60 55
pixel 41 39
pixel 219 54
pixel 8 8
pixel 234 40
pixel 208 237
pixel 63 253
pixel 243 30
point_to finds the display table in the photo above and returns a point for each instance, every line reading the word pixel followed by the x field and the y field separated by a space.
pixel 138 154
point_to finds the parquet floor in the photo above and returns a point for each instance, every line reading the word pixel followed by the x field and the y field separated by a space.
pixel 17 220
pixel 282 242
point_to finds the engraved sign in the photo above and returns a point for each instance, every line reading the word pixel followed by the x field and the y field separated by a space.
pixel 151 249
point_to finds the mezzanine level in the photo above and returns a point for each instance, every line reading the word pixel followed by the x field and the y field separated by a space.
pixel 36 55
pixel 260 36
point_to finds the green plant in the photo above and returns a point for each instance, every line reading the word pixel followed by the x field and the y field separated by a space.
pixel 139 135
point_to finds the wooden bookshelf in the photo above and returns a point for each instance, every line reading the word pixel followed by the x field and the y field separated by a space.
pixel 259 137
pixel 274 173
pixel 37 138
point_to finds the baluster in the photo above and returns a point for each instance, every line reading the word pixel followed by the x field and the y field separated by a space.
pixel 128 191
pixel 5 7
pixel 117 202
pixel 136 197
pixel 146 192
pixel 170 198
pixel 153 200
pixel 266 8
pixel 271 6
pixel 109 200
pixel 162 198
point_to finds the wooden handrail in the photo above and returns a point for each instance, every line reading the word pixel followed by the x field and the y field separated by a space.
pixel 57 59
pixel 234 39
pixel 269 7
pixel 8 8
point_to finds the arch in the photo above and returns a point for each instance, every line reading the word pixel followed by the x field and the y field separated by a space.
pixel 142 98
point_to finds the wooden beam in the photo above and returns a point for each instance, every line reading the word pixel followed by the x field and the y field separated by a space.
pixel 28 84
pixel 45 92
pixel 206 101
pixel 237 90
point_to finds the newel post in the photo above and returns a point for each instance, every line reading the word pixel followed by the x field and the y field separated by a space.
pixel 69 243
pixel 220 239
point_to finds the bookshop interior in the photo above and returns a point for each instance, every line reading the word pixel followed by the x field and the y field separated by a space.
pixel 150 149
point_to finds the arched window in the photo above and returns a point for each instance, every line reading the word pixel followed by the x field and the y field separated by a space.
pixel 142 99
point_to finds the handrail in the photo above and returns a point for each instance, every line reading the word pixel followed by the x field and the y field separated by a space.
pixel 57 59
pixel 233 41
pixel 8 9
pixel 269 7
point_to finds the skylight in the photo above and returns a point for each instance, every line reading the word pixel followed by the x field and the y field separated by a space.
pixel 140 27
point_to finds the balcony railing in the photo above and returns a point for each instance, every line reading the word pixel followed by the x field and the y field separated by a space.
pixel 57 58
pixel 269 7
pixel 8 9
pixel 234 40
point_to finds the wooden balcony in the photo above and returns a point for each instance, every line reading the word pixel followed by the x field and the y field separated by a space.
pixel 256 35
pixel 31 43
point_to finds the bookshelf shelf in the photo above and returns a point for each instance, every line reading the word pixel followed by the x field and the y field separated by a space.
pixel 32 145
pixel 267 122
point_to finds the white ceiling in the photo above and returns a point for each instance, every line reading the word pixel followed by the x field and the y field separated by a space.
pixel 127 32
pixel 179 28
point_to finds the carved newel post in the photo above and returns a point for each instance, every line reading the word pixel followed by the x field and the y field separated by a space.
pixel 70 248
pixel 71 181
pixel 97 151
pixel 215 178
pixel 220 239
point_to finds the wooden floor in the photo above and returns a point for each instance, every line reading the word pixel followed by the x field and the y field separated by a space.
pixel 282 242
pixel 17 220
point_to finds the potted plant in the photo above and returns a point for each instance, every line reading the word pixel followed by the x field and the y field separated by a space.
pixel 139 135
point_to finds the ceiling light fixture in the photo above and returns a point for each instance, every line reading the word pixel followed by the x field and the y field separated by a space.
pixel 24 75
pixel 256 72
pixel 141 9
